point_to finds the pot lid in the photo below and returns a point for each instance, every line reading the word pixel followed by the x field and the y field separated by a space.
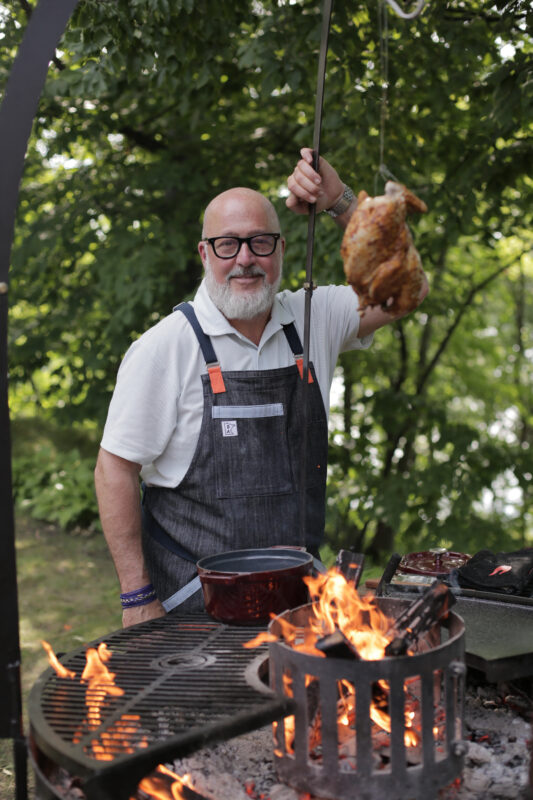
pixel 255 560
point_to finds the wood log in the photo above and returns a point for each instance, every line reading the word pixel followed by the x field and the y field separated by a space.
pixel 350 565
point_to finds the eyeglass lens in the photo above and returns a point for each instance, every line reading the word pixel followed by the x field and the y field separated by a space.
pixel 229 246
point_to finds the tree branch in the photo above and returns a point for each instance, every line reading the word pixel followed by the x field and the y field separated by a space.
pixel 393 443
pixel 144 140
pixel 466 304
pixel 404 357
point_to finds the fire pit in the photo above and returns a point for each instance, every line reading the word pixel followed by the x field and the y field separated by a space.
pixel 368 729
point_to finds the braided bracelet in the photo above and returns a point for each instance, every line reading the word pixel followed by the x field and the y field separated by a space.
pixel 139 597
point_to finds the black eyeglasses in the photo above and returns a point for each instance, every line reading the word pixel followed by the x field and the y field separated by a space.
pixel 262 244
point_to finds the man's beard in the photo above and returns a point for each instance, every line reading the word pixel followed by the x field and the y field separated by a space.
pixel 241 305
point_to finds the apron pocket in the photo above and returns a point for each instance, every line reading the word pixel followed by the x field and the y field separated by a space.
pixel 251 450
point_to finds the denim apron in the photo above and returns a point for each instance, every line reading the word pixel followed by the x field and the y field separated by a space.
pixel 242 487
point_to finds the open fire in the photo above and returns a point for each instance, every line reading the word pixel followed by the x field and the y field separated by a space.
pixel 344 624
pixel 378 686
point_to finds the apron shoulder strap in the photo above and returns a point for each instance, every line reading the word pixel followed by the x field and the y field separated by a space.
pixel 208 352
pixel 293 339
pixel 295 344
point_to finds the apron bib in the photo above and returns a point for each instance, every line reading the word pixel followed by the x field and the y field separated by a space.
pixel 242 487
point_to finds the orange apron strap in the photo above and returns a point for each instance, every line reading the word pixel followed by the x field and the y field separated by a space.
pixel 300 365
pixel 215 376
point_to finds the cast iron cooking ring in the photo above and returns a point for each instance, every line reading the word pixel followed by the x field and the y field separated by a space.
pixel 257 560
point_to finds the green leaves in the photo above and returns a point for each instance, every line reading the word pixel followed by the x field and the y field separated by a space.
pixel 57 488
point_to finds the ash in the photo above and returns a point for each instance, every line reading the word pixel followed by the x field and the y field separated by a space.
pixel 240 768
pixel 497 730
pixel 498 734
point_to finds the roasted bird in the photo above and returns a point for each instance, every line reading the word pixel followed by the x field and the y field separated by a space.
pixel 380 259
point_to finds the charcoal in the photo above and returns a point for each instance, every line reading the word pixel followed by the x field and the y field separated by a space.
pixel 337 645
pixel 388 573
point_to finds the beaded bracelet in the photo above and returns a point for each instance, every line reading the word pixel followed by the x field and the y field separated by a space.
pixel 139 597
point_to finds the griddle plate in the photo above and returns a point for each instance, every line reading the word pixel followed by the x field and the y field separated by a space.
pixel 498 637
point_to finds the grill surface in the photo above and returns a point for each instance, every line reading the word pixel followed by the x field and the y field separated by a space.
pixel 185 682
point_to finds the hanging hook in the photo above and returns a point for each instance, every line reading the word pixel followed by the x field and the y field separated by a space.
pixel 412 15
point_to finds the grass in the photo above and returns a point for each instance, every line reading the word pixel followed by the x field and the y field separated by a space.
pixel 68 595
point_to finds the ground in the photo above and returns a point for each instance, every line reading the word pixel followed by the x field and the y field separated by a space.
pixel 68 595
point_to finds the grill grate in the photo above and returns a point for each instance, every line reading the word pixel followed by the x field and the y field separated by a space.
pixel 186 683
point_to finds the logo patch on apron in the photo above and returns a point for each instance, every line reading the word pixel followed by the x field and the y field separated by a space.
pixel 229 427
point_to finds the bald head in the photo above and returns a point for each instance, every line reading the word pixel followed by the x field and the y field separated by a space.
pixel 230 208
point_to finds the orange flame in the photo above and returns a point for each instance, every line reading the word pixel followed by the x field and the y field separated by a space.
pixel 337 605
pixel 260 639
pixel 289 722
pixel 62 671
pixel 101 682
pixel 157 785
pixel 117 736
pixel 380 716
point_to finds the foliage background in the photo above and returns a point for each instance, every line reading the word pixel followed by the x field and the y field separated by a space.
pixel 152 106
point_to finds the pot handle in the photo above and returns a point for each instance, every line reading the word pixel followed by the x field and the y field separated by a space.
pixel 217 577
pixel 319 566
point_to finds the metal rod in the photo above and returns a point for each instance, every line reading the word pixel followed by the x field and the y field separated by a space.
pixel 308 286
pixel 20 760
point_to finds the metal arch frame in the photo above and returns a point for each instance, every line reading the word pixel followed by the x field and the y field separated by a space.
pixel 19 105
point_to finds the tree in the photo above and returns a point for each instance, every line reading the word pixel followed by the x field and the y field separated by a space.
pixel 152 107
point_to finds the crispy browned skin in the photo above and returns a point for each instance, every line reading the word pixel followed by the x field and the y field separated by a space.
pixel 380 259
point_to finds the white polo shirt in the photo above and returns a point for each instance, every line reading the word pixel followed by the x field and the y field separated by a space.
pixel 156 410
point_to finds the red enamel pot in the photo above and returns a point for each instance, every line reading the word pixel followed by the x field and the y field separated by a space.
pixel 248 586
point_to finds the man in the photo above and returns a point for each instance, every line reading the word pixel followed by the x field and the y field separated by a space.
pixel 208 403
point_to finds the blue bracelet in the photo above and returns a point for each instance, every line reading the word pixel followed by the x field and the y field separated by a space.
pixel 139 597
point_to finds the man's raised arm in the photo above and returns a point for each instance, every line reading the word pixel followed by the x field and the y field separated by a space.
pixel 326 190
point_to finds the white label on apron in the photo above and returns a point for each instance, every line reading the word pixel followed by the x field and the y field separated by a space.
pixel 229 428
